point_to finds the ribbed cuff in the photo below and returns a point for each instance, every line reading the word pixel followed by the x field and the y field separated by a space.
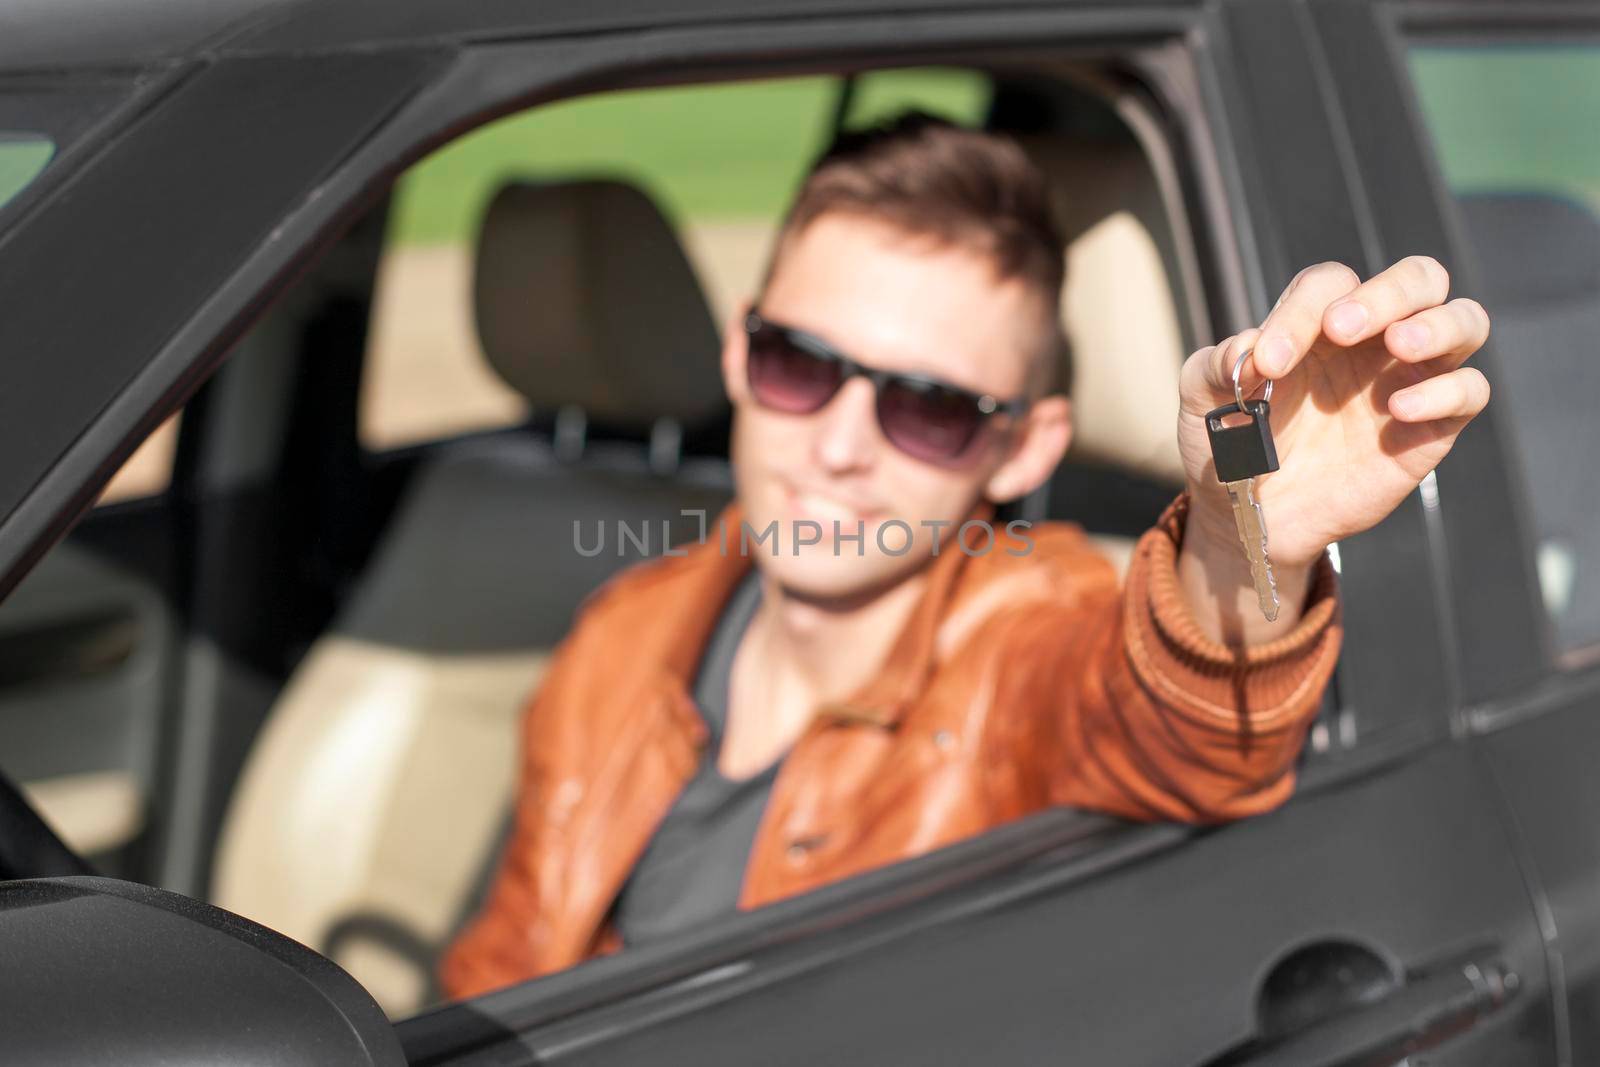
pixel 1275 685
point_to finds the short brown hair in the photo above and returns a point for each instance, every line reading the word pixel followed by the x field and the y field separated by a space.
pixel 960 187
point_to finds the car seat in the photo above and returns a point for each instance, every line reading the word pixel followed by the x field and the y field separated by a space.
pixel 1120 314
pixel 383 775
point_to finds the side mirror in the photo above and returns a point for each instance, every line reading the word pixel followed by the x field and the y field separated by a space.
pixel 100 971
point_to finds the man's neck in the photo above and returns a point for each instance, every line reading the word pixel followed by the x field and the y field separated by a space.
pixel 833 647
pixel 801 652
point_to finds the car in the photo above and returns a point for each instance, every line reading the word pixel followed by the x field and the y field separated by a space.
pixel 260 698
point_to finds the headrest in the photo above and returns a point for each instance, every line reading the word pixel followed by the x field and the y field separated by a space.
pixel 584 297
pixel 1533 247
pixel 1119 311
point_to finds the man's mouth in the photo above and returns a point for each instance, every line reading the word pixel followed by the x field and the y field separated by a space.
pixel 825 508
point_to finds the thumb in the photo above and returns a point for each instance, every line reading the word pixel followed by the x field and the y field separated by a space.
pixel 1207 378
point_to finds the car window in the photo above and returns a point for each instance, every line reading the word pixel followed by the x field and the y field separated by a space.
pixel 1512 127
pixel 447 577
pixel 720 160
pixel 22 157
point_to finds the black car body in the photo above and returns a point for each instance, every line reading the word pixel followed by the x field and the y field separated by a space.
pixel 1433 888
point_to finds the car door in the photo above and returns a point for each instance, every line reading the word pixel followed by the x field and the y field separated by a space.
pixel 1505 103
pixel 1381 910
pixel 1381 913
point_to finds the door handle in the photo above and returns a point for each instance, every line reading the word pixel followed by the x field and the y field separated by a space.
pixel 1419 1015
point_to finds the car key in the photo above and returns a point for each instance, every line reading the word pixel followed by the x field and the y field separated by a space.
pixel 1242 454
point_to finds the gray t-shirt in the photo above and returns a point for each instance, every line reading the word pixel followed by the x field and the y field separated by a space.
pixel 693 867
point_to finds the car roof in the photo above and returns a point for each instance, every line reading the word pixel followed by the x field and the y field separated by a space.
pixel 57 35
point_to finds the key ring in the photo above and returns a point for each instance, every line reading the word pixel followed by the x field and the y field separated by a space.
pixel 1238 394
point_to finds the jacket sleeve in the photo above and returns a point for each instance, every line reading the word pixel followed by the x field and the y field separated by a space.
pixel 1151 719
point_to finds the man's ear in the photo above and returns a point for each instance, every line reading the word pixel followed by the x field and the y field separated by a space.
pixel 1036 451
pixel 735 350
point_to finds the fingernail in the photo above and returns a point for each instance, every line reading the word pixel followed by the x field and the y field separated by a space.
pixel 1276 352
pixel 1348 318
pixel 1413 335
pixel 1407 405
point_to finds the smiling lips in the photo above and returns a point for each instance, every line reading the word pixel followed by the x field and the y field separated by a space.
pixel 826 509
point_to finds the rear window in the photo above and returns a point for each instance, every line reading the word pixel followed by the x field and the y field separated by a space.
pixel 1513 128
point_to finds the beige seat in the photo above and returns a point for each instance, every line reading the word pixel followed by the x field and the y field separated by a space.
pixel 1120 314
pixel 378 788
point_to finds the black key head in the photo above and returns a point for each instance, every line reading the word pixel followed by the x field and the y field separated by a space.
pixel 1245 450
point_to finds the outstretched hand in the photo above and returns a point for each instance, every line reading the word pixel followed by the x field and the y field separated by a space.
pixel 1370 395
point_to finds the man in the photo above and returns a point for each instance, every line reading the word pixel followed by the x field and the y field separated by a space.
pixel 892 672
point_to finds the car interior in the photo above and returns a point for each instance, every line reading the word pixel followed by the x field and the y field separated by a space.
pixel 290 679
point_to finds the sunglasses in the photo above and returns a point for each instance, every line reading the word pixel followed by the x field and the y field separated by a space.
pixel 798 373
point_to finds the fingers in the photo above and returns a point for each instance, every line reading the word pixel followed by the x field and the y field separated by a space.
pixel 1296 323
pixel 1220 368
pixel 1218 362
pixel 1460 394
pixel 1410 286
pixel 1450 334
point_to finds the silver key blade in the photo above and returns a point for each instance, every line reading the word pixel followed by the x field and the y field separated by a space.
pixel 1252 525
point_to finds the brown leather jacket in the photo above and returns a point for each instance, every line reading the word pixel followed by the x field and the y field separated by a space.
pixel 1059 690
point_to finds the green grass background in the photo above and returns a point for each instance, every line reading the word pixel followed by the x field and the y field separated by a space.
pixel 731 151
pixel 1514 116
pixel 22 157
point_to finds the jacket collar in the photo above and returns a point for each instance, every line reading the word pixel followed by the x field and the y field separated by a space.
pixel 714 568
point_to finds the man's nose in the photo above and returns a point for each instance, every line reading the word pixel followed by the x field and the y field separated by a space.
pixel 846 435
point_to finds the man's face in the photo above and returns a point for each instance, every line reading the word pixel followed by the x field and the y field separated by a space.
pixel 892 302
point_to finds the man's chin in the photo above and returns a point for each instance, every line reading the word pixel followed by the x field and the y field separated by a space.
pixel 817 574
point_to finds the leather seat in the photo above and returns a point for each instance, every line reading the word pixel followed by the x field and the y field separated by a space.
pixel 381 781
pixel 1120 313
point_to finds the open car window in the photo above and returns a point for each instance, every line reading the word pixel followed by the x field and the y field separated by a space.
pixel 534 236
pixel 373 561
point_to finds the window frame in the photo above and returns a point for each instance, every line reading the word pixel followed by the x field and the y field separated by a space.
pixel 1051 849
pixel 1289 142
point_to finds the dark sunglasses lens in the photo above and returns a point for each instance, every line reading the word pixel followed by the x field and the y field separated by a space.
pixel 926 421
pixel 787 377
